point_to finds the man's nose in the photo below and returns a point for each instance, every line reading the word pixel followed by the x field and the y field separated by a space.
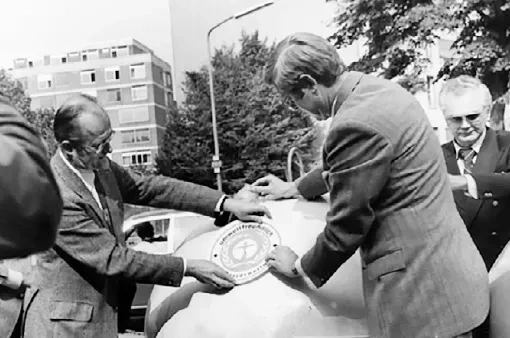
pixel 464 123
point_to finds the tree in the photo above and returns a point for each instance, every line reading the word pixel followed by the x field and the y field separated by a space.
pixel 41 119
pixel 397 32
pixel 255 128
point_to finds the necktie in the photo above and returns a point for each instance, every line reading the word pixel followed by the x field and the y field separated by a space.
pixel 467 155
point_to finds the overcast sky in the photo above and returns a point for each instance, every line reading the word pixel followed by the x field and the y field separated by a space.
pixel 37 27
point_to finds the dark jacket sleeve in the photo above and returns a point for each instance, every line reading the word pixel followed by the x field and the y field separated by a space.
pixel 165 192
pixel 359 160
pixel 30 200
pixel 81 238
pixel 312 185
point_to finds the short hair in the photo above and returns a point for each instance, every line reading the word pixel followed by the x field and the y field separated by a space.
pixel 65 124
pixel 303 53
pixel 461 85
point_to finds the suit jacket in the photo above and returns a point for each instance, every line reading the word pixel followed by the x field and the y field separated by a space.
pixel 29 198
pixel 78 278
pixel 488 216
pixel 389 195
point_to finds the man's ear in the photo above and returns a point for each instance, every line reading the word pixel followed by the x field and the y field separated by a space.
pixel 306 81
pixel 67 147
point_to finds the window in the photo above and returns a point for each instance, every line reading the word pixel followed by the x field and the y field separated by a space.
pixel 30 64
pixel 138 158
pixel 169 99
pixel 90 54
pixel 114 53
pixel 137 71
pixel 167 79
pixel 88 76
pixel 113 95
pixel 130 115
pixel 63 59
pixel 139 93
pixel 135 136
pixel 44 81
pixel 112 74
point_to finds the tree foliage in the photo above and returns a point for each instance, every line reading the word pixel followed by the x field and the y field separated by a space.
pixel 397 31
pixel 255 128
pixel 41 119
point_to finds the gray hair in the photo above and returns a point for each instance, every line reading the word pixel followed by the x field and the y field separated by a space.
pixel 461 85
pixel 303 53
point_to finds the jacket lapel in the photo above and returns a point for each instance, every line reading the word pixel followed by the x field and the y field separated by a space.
pixel 453 169
pixel 486 162
pixel 113 217
pixel 74 183
pixel 451 159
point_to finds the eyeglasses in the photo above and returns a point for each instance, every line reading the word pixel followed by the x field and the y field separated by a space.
pixel 469 118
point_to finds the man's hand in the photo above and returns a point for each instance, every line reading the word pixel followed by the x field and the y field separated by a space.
pixel 282 260
pixel 246 194
pixel 271 187
pixel 246 211
pixel 209 273
pixel 458 182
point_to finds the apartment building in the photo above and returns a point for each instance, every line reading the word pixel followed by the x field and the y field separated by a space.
pixel 127 78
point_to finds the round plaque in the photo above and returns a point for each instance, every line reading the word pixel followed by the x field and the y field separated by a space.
pixel 242 249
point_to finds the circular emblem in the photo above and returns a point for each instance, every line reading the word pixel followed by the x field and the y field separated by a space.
pixel 242 248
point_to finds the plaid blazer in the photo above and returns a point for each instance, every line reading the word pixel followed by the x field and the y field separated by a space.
pixel 78 279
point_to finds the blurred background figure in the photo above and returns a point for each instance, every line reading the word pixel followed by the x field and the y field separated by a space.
pixel 30 201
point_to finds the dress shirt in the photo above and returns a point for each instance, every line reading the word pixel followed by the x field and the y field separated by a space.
pixel 88 177
pixel 472 190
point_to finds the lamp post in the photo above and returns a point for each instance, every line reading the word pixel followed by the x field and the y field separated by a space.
pixel 216 163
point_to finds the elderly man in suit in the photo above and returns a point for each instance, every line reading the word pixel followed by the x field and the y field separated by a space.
pixel 478 162
pixel 389 196
pixel 30 202
pixel 79 279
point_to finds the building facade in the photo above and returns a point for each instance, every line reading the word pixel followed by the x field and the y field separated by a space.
pixel 129 81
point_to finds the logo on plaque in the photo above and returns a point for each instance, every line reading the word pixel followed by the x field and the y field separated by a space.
pixel 241 250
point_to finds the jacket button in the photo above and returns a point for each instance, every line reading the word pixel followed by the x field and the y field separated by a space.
pixel 488 194
pixel 494 233
pixel 495 203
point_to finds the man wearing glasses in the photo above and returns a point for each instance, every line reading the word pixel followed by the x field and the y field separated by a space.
pixel 88 274
pixel 478 162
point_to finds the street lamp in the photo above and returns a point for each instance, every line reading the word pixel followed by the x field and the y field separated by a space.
pixel 216 163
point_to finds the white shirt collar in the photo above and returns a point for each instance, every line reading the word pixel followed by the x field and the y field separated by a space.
pixel 476 146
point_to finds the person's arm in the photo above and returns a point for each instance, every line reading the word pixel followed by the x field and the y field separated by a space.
pixel 359 159
pixel 164 192
pixel 30 200
pixel 311 185
pixel 82 239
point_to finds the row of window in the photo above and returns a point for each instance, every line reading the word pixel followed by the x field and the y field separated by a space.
pixel 86 55
pixel 138 158
pixel 138 93
pixel 135 136
pixel 46 81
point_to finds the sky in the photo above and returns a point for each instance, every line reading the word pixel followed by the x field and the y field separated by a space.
pixel 33 28
pixel 37 27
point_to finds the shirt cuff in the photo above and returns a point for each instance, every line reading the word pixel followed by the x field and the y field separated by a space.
pixel 303 274
pixel 472 190
pixel 219 204
pixel 14 279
